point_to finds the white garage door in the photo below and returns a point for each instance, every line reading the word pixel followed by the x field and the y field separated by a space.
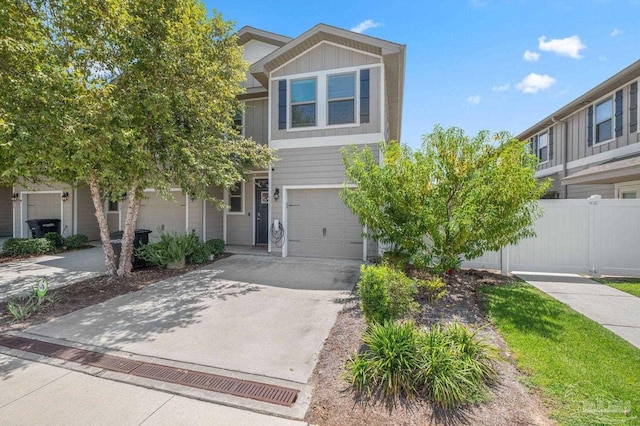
pixel 159 215
pixel 42 206
pixel 320 225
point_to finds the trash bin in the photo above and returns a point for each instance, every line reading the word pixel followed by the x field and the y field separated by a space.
pixel 141 237
pixel 39 227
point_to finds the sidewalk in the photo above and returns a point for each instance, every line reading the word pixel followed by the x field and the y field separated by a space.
pixel 613 309
pixel 40 394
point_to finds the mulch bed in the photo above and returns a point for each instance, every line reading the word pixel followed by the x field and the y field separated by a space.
pixel 333 402
pixel 89 292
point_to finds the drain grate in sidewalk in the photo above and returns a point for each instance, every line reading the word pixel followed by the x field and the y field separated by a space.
pixel 195 379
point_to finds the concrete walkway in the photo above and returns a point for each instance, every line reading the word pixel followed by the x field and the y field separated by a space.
pixel 613 309
pixel 59 269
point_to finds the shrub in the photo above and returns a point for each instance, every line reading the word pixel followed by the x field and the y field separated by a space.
pixel 23 307
pixel 431 290
pixel 27 246
pixel 388 365
pixel 201 253
pixel 449 366
pixel 385 293
pixel 217 245
pixel 76 241
pixel 55 239
pixel 170 248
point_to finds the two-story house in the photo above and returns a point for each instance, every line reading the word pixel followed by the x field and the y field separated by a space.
pixel 306 97
pixel 591 145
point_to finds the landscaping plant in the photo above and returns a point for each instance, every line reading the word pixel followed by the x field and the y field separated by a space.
pixel 23 307
pixel 456 196
pixel 55 239
pixel 217 245
pixel 386 294
pixel 201 253
pixel 27 246
pixel 170 248
pixel 431 290
pixel 76 241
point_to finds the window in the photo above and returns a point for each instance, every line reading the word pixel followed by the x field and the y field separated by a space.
pixel 237 122
pixel 113 206
pixel 543 147
pixel 303 102
pixel 235 198
pixel 604 120
pixel 342 99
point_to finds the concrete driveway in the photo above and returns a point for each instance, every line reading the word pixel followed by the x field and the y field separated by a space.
pixel 265 318
pixel 59 269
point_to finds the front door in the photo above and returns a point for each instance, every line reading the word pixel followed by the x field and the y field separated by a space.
pixel 262 211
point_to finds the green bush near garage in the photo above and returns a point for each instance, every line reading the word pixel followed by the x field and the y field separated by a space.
pixel 27 246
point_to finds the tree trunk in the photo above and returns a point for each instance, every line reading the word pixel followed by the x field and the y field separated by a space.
pixel 98 204
pixel 129 233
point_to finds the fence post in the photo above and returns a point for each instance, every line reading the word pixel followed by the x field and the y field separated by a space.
pixel 594 202
pixel 504 261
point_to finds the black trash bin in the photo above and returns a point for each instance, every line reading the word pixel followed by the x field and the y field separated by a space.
pixel 39 227
pixel 141 237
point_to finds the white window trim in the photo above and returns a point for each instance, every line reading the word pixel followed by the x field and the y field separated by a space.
pixel 322 96
pixel 609 97
pixel 355 97
pixel 546 132
pixel 290 105
pixel 227 197
pixel 626 186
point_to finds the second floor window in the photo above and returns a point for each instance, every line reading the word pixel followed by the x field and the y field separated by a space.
pixel 604 120
pixel 543 147
pixel 303 102
pixel 342 99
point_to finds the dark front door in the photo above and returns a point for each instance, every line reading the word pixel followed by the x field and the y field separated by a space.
pixel 262 211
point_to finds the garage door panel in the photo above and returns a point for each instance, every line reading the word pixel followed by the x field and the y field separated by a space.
pixel 160 215
pixel 320 225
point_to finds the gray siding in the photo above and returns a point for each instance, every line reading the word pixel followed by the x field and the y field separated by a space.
pixel 325 57
pixel 585 191
pixel 256 121
pixel 87 223
pixel 558 146
pixel 240 226
pixel 214 216
pixel 307 166
pixel 6 212
pixel 374 125
pixel 195 217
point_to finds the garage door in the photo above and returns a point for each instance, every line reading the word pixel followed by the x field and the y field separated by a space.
pixel 42 206
pixel 320 225
pixel 157 214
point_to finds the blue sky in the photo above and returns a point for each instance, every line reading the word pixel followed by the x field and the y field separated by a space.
pixel 475 64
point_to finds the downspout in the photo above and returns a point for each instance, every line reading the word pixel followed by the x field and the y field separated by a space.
pixel 565 151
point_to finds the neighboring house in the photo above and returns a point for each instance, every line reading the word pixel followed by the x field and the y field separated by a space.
pixel 591 145
pixel 306 97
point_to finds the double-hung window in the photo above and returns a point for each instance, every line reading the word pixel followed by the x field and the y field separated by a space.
pixel 235 198
pixel 604 120
pixel 303 102
pixel 543 147
pixel 341 95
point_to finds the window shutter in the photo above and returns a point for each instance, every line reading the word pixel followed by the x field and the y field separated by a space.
pixel 282 104
pixel 590 126
pixel 618 113
pixel 550 142
pixel 534 144
pixel 633 108
pixel 364 96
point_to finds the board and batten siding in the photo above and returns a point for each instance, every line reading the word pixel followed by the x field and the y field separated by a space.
pixel 214 216
pixel 316 166
pixel 240 225
pixel 6 211
pixel 256 120
pixel 556 146
pixel 86 221
pixel 254 50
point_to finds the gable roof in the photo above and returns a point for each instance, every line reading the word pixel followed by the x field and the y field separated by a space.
pixel 247 33
pixel 393 55
pixel 625 76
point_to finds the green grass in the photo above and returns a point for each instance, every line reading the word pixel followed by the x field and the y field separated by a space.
pixel 628 285
pixel 587 373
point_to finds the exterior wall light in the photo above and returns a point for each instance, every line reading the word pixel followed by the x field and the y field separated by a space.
pixel 15 197
pixel 276 194
pixel 65 196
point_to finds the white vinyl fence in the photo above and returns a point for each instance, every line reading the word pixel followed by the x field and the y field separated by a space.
pixel 593 236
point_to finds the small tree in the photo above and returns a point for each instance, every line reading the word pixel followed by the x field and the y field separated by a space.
pixel 457 196
pixel 121 95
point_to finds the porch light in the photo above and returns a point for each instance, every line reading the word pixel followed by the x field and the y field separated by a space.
pixel 65 196
pixel 276 194
pixel 15 197
pixel 123 196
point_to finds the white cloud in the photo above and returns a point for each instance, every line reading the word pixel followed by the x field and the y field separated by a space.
pixel 535 82
pixel 502 88
pixel 531 56
pixel 616 32
pixel 570 46
pixel 474 100
pixel 365 25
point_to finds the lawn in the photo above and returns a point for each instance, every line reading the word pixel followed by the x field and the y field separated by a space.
pixel 588 375
pixel 628 285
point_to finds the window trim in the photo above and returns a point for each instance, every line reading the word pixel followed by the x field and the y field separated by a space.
pixel 611 98
pixel 291 104
pixel 108 206
pixel 355 98
pixel 626 186
pixel 322 96
pixel 546 134
pixel 242 199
